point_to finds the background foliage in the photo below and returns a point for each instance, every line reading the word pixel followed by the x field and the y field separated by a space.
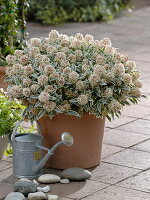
pixel 10 112
pixel 58 11
pixel 12 26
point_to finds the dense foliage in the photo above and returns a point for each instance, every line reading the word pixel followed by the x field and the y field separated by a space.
pixel 72 75
pixel 12 26
pixel 57 11
pixel 10 112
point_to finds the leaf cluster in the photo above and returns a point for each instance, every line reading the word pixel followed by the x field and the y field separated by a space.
pixel 10 112
pixel 58 11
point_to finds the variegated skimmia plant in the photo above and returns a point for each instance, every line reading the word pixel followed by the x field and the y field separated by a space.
pixel 72 75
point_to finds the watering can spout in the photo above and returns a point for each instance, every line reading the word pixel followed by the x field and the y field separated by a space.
pixel 43 161
pixel 66 139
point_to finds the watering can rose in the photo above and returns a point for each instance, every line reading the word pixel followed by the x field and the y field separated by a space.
pixel 72 75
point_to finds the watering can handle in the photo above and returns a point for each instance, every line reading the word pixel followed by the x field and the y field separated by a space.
pixel 16 127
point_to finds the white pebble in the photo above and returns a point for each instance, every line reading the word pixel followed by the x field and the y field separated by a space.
pixel 37 196
pixel 52 197
pixel 46 189
pixel 40 189
pixel 64 181
pixel 34 181
pixel 49 178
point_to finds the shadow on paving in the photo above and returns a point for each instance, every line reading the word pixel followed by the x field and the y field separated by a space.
pixel 59 189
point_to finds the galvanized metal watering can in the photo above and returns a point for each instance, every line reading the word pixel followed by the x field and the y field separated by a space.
pixel 27 152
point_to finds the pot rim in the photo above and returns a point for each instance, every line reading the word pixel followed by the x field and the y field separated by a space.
pixel 3 69
pixel 85 116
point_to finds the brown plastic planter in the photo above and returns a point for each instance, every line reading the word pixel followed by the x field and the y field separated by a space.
pixel 2 74
pixel 88 136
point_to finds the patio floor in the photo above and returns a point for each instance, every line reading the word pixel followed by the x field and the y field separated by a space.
pixel 124 173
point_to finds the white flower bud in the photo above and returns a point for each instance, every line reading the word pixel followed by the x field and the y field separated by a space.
pixel 35 42
pixel 44 97
pixel 26 92
pixel 42 80
pixel 73 77
pixel 82 99
pixel 10 59
pixel 49 106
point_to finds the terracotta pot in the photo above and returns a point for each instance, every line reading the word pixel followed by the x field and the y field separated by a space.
pixel 88 136
pixel 3 144
pixel 2 74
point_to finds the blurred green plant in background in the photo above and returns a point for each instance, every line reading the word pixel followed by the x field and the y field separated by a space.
pixel 12 27
pixel 10 113
pixel 8 152
pixel 59 11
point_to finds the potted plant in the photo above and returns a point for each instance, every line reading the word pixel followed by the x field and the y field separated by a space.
pixel 72 83
pixel 10 112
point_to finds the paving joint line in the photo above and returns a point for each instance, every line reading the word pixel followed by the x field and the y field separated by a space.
pixel 95 192
pixel 112 184
pixel 114 153
pixel 5 169
pixel 122 165
pixel 124 148
pixel 144 151
pixel 130 146
pixel 115 184
pixel 133 189
pixel 135 119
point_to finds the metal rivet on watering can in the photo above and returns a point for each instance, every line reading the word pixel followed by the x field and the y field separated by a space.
pixel 27 152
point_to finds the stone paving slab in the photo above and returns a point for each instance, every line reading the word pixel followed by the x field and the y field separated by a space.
pixel 5 165
pixel 143 56
pixel 148 117
pixel 141 126
pixel 6 174
pixel 108 150
pixel 5 188
pixel 119 121
pixel 76 190
pixel 130 158
pixel 118 193
pixel 145 102
pixel 144 67
pixel 144 146
pixel 136 48
pixel 109 173
pixel 140 4
pixel 123 138
pixel 9 178
pixel 146 89
pixel 138 182
pixel 137 111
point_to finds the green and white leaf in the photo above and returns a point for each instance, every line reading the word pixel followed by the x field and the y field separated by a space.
pixel 99 106
pixel 38 104
pixel 74 113
pixel 41 114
